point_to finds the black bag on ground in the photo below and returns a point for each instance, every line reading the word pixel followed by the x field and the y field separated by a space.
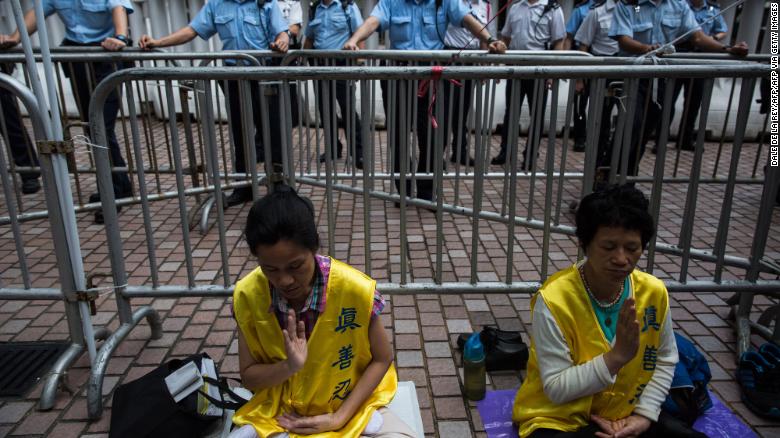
pixel 145 407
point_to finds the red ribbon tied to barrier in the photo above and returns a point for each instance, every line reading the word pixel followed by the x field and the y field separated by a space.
pixel 422 90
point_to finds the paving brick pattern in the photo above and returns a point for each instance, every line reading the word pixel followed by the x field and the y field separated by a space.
pixel 423 328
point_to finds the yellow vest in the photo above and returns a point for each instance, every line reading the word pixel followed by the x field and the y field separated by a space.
pixel 565 296
pixel 338 353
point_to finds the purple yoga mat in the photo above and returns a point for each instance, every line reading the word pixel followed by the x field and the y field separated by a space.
pixel 496 413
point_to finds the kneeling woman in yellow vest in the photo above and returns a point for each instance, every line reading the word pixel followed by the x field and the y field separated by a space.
pixel 311 344
pixel 602 348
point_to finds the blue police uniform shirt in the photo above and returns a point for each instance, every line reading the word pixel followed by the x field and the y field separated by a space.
pixel 577 17
pixel 704 13
pixel 651 23
pixel 417 25
pixel 333 25
pixel 241 25
pixel 86 21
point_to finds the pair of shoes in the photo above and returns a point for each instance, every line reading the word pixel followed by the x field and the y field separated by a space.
pixel 757 377
pixel 95 197
pixel 579 145
pixel 687 146
pixel 30 186
pixel 500 159
pixel 504 349
pixel 324 157
pixel 465 160
pixel 238 197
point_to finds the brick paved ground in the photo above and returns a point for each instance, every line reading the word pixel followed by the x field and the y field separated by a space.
pixel 422 328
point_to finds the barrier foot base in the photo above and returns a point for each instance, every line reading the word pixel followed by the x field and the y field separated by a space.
pixel 208 204
pixel 95 385
pixel 54 378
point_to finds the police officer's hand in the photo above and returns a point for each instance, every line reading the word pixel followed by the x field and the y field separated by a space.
pixel 497 47
pixel 112 44
pixel 281 44
pixel 650 47
pixel 579 86
pixel 8 41
pixel 350 45
pixel 147 42
pixel 740 49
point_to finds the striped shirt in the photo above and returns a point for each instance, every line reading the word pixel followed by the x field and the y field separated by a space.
pixel 315 302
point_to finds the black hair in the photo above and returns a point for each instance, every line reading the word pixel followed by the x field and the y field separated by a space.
pixel 621 206
pixel 281 215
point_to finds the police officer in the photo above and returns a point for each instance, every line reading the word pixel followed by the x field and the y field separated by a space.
pixel 712 23
pixel 530 25
pixel 91 23
pixel 576 19
pixel 593 37
pixel 417 25
pixel 331 24
pixel 17 139
pixel 241 25
pixel 642 26
pixel 458 38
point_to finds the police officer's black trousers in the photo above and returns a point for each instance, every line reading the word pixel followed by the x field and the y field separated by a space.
pixel 273 110
pixel 84 78
pixel 647 121
pixel 343 103
pixel 580 113
pixel 694 90
pixel 22 148
pixel 460 116
pixel 605 143
pixel 401 125
pixel 526 91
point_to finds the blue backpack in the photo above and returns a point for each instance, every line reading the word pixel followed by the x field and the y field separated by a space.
pixel 688 397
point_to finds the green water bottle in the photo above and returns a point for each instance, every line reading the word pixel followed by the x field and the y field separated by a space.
pixel 474 368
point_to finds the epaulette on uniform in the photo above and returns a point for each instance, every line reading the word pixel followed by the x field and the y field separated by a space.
pixel 597 3
pixel 713 3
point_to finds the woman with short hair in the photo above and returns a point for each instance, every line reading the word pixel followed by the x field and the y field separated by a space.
pixel 602 347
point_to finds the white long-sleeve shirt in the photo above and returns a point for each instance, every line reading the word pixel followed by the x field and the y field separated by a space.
pixel 563 381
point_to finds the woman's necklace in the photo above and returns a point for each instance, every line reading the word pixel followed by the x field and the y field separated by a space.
pixel 606 307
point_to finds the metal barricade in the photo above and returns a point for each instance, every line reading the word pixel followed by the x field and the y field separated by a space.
pixel 515 219
pixel 65 285
pixel 73 115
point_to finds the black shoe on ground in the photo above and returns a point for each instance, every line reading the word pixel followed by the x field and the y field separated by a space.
pixel 759 392
pixel 579 146
pixel 359 162
pixel 654 150
pixel 30 186
pixel 499 160
pixel 238 197
pixel 505 350
pixel 464 160
pixel 324 158
pixel 687 146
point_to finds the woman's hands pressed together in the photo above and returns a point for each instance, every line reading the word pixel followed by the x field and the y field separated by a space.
pixel 310 425
pixel 628 427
